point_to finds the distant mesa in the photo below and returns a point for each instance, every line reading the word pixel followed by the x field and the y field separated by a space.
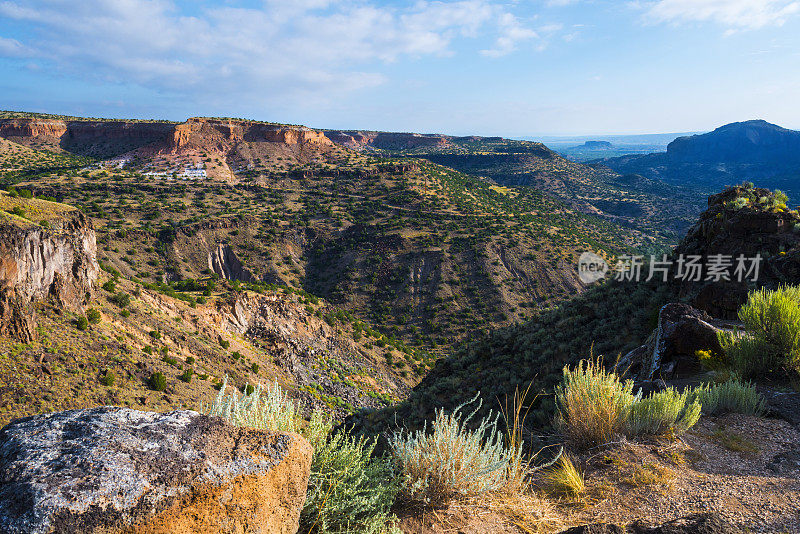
pixel 596 145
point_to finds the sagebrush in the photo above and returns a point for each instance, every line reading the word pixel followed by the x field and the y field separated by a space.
pixel 730 396
pixel 349 492
pixel 453 460
pixel 771 344
pixel 595 407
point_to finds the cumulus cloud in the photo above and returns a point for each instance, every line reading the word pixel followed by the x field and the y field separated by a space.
pixel 734 14
pixel 279 47
pixel 512 32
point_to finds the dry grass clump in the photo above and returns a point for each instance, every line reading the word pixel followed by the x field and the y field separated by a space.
pixel 565 480
pixel 733 441
pixel 650 474
pixel 593 404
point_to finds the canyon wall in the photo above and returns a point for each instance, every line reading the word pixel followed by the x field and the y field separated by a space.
pixel 59 262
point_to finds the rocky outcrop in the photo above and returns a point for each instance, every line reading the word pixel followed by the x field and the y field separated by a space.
pixel 670 351
pixel 115 470
pixel 11 128
pixel 112 138
pixel 746 222
pixel 703 523
pixel 36 263
pixel 387 140
pixel 206 133
pixel 223 261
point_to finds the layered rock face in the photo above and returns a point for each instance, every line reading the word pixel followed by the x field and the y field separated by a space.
pixel 223 261
pixel 202 132
pixel 111 138
pixel 387 140
pixel 96 138
pixel 112 470
pixel 11 128
pixel 36 263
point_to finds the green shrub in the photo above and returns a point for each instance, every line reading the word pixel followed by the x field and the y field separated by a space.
pixel 661 412
pixel 125 313
pixel 348 491
pixel 93 315
pixel 771 345
pixel 595 407
pixel 110 286
pixel 155 334
pixel 190 360
pixel 186 376
pixel 82 323
pixel 108 379
pixel 120 299
pixel 157 382
pixel 452 460
pixel 255 368
pixel 731 396
pixel 224 343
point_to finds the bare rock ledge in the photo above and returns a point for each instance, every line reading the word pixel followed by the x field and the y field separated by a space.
pixel 114 470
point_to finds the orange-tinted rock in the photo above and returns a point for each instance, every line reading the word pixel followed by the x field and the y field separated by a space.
pixel 114 470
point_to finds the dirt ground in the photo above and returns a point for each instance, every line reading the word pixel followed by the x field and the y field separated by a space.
pixel 744 468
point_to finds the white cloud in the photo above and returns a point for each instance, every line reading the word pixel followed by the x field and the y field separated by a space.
pixel 734 14
pixel 12 48
pixel 283 47
pixel 512 32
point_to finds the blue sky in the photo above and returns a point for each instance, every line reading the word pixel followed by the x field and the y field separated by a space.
pixel 512 68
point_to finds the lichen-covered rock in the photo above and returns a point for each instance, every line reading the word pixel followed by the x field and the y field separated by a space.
pixel 115 470
pixel 670 350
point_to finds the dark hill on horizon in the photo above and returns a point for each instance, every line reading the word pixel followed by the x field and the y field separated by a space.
pixel 754 150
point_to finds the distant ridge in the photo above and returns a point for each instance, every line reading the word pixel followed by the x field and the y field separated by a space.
pixel 755 141
pixel 754 150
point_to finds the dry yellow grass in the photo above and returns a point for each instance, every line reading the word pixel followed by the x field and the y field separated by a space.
pixel 565 480
pixel 34 209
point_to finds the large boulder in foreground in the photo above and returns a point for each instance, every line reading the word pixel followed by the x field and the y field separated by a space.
pixel 670 350
pixel 115 470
